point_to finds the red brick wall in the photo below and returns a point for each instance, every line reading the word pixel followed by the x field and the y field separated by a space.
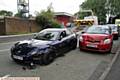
pixel 2 27
pixel 17 25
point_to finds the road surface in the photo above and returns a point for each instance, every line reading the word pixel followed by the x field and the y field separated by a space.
pixel 75 65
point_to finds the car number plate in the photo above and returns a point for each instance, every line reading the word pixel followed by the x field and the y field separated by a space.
pixel 18 57
pixel 92 45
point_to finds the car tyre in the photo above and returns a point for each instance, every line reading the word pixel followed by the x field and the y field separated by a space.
pixel 110 48
pixel 116 38
pixel 74 45
pixel 47 58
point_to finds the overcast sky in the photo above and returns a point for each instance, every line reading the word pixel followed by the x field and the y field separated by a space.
pixel 70 6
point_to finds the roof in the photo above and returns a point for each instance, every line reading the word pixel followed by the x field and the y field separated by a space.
pixel 111 24
pixel 55 29
pixel 103 26
pixel 63 13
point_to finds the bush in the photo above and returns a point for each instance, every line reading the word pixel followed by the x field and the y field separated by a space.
pixel 55 24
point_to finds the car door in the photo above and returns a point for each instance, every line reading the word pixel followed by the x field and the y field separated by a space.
pixel 68 40
pixel 60 44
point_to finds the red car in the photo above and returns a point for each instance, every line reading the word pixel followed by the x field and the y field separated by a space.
pixel 96 38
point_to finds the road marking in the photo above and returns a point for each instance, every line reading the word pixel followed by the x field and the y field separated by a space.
pixel 5 77
pixel 4 50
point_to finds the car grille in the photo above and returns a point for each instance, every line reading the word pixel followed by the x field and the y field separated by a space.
pixel 22 49
pixel 92 48
pixel 94 41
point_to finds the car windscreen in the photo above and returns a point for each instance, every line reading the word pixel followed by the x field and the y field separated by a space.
pixel 114 28
pixel 47 35
pixel 97 30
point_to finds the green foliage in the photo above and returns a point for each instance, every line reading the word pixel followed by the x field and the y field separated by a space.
pixel 42 20
pixel 81 15
pixel 46 19
pixel 102 7
pixel 6 13
pixel 114 7
pixel 98 7
pixel 18 14
pixel 55 24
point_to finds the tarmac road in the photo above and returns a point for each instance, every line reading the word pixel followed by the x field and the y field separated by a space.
pixel 75 65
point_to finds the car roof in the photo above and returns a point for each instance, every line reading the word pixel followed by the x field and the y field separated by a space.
pixel 56 29
pixel 103 26
pixel 111 24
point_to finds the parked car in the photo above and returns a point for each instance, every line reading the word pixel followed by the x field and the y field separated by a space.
pixel 44 47
pixel 96 38
pixel 115 31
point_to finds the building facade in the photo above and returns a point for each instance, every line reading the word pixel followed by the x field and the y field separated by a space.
pixel 63 17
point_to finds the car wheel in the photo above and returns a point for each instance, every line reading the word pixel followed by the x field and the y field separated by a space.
pixel 73 45
pixel 81 49
pixel 47 58
pixel 110 48
pixel 116 37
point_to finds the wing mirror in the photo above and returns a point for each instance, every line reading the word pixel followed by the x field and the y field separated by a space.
pixel 83 32
pixel 59 38
pixel 34 35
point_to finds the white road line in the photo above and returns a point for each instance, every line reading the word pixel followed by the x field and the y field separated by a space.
pixel 5 77
pixel 4 50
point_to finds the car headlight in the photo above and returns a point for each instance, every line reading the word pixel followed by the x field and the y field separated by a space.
pixel 107 41
pixel 81 39
pixel 33 52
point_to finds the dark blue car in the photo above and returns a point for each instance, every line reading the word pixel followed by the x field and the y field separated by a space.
pixel 45 46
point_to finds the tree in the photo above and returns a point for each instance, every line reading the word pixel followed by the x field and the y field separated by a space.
pixel 81 15
pixel 6 13
pixel 114 7
pixel 18 14
pixel 98 7
pixel 46 18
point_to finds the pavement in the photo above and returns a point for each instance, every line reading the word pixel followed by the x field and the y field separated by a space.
pixel 112 71
pixel 12 38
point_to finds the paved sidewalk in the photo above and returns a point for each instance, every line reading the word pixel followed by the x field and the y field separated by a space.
pixel 12 38
pixel 114 73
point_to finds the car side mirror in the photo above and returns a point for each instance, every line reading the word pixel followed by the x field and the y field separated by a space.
pixel 83 32
pixel 59 38
pixel 34 35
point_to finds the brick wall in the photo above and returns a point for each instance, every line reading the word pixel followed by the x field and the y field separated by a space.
pixel 17 25
pixel 2 27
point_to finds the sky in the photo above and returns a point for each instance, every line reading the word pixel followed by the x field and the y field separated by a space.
pixel 70 6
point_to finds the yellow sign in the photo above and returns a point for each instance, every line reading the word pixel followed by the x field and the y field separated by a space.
pixel 83 22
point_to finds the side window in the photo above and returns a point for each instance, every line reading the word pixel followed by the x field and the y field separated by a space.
pixel 63 34
pixel 68 32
